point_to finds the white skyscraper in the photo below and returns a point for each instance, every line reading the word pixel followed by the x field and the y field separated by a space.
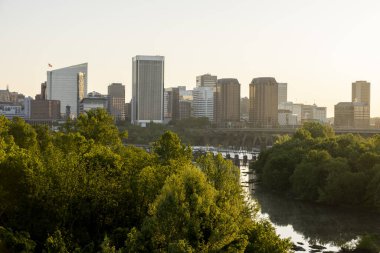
pixel 68 85
pixel 147 89
pixel 203 102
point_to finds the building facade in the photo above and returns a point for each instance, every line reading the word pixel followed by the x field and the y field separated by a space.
pixel 361 92
pixel 184 109
pixel 227 101
pixel 68 85
pixel 171 104
pixel 351 115
pixel 206 80
pixel 116 101
pixel 203 102
pixel 263 96
pixel 282 93
pixel 147 89
pixel 46 110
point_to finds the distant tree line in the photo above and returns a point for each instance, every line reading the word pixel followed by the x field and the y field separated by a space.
pixel 82 190
pixel 153 131
pixel 317 165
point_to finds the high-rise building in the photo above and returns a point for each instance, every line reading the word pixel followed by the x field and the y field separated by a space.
pixel 171 104
pixel 282 93
pixel 116 101
pixel 128 112
pixel 351 115
pixel 227 101
pixel 68 85
pixel 361 92
pixel 147 89
pixel 263 96
pixel 206 80
pixel 203 102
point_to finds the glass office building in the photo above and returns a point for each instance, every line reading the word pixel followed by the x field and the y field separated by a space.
pixel 147 89
pixel 68 85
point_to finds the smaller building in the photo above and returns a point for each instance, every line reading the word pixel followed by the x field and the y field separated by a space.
pixel 351 115
pixel 184 109
pixel 11 110
pixel 287 118
pixel 93 103
pixel 46 110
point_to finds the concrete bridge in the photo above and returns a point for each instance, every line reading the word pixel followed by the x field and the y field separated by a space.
pixel 248 138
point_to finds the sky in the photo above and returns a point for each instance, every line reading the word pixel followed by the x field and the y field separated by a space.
pixel 318 47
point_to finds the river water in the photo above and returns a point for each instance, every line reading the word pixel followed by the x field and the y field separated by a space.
pixel 308 224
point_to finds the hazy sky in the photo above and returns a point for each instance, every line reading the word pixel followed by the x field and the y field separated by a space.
pixel 319 47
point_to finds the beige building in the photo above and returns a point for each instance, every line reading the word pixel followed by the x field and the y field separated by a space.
pixel 227 100
pixel 263 96
pixel 361 92
pixel 351 115
pixel 206 80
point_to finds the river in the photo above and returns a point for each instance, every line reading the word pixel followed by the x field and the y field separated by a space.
pixel 308 224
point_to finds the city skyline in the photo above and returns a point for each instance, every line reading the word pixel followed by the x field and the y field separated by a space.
pixel 319 57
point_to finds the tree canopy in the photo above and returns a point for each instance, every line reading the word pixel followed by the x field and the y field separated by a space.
pixel 317 165
pixel 81 190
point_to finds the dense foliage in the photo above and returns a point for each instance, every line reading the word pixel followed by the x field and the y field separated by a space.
pixel 317 165
pixel 81 190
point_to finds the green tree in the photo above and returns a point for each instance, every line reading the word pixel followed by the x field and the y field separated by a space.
pixel 55 243
pixel 169 147
pixel 99 126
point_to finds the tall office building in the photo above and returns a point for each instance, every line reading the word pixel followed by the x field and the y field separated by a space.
pixel 361 92
pixel 171 104
pixel 147 89
pixel 282 93
pixel 263 96
pixel 206 80
pixel 203 102
pixel 227 101
pixel 116 101
pixel 68 85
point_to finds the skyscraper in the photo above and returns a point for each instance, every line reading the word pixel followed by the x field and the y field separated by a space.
pixel 203 102
pixel 282 93
pixel 361 92
pixel 263 96
pixel 116 100
pixel 147 89
pixel 171 104
pixel 227 101
pixel 68 85
pixel 206 80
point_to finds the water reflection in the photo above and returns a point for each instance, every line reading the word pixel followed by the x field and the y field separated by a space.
pixel 317 224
